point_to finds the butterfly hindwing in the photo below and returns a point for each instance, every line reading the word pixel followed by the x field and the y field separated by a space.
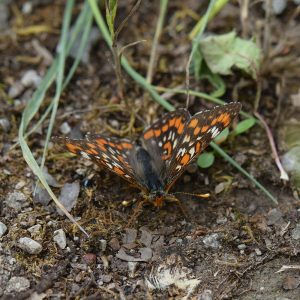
pixel 199 131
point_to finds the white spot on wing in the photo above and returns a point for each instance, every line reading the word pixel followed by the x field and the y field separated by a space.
pixel 186 138
pixel 85 155
pixel 192 151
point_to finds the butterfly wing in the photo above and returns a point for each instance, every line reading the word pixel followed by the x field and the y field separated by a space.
pixel 199 131
pixel 113 154
pixel 162 138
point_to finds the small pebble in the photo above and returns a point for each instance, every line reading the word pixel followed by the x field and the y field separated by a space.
pixel 49 178
pixel 274 216
pixel 221 220
pixel 279 6
pixel 89 258
pixel 206 295
pixel 132 267
pixel 146 237
pixel 106 278
pixel 3 229
pixel 16 201
pixel 114 244
pixel 130 236
pixel 242 247
pixel 68 196
pixel 60 238
pixel 296 232
pixel 291 282
pixel 41 196
pixel 27 8
pixel 5 124
pixel 35 229
pixel 20 185
pixel 211 241
pixel 146 254
pixel 258 251
pixel 17 285
pixel 65 128
pixel 15 90
pixel 220 187
pixel 103 245
pixel 31 79
pixel 30 246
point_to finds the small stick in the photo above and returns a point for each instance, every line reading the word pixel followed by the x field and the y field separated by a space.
pixel 283 175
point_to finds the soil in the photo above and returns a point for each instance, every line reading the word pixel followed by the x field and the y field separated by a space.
pixel 231 245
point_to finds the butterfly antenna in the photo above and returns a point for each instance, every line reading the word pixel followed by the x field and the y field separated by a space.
pixel 206 195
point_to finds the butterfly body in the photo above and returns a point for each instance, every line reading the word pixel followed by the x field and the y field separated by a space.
pixel 163 151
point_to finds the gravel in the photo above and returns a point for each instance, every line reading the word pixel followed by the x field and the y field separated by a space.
pixel 29 245
pixel 3 229
pixel 68 196
pixel 211 241
pixel 17 285
pixel 60 238
pixel 16 201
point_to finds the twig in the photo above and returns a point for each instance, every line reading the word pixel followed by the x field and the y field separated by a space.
pixel 283 174
pixel 160 22
pixel 244 17
pixel 291 267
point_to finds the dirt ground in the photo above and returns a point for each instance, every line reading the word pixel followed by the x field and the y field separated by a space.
pixel 232 245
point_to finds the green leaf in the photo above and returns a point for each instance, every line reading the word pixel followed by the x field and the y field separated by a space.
pixel 206 159
pixel 244 126
pixel 222 136
pixel 111 11
pixel 222 52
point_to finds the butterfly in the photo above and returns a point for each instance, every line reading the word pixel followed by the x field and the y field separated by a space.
pixel 163 151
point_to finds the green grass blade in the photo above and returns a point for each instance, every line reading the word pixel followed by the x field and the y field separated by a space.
pixel 34 104
pixel 60 72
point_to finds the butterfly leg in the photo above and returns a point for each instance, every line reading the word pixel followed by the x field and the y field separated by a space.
pixel 136 212
pixel 179 203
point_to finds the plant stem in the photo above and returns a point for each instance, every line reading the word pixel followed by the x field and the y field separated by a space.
pixel 160 22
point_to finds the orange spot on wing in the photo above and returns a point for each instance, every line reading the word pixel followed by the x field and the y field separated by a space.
pixel 180 128
pixel 118 171
pixel 91 151
pixel 177 122
pixel 126 145
pixel 172 122
pixel 148 134
pixel 91 145
pixel 157 132
pixel 214 121
pixel 193 123
pixel 73 148
pixel 101 143
pixel 168 146
pixel 204 128
pixel 121 159
pixel 198 147
pixel 165 128
pixel 185 159
pixel 226 120
pixel 197 130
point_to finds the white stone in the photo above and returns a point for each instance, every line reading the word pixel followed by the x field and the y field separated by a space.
pixel 60 238
pixel 29 245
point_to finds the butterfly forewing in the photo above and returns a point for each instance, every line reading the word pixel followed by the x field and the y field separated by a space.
pixel 114 154
pixel 163 136
pixel 199 131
